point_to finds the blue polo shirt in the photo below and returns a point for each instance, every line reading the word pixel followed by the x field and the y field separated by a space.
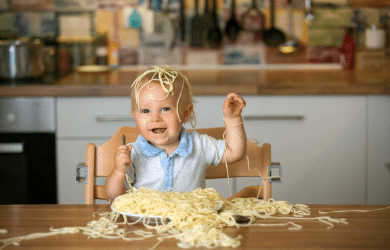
pixel 184 170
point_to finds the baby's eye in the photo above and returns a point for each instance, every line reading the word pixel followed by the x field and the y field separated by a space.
pixel 165 109
pixel 144 111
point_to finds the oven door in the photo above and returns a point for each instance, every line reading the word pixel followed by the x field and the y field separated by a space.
pixel 28 168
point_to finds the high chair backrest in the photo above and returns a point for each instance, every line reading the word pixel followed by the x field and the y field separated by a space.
pixel 100 163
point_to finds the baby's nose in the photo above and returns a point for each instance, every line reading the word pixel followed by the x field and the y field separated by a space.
pixel 156 118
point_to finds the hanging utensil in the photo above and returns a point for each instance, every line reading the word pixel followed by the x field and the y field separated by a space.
pixel 207 17
pixel 253 23
pixel 273 37
pixel 196 36
pixel 233 27
pixel 214 35
pixel 292 44
pixel 169 27
pixel 182 22
pixel 309 14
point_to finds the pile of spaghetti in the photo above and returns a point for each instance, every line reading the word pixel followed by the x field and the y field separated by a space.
pixel 196 218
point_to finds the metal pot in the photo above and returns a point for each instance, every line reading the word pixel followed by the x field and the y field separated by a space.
pixel 21 60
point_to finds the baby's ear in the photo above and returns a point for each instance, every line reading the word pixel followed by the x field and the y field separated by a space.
pixel 187 113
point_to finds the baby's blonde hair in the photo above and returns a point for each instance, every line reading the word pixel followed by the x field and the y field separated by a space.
pixel 164 75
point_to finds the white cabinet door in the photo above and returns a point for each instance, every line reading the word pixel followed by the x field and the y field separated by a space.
pixel 323 155
pixel 378 171
pixel 92 117
pixel 69 154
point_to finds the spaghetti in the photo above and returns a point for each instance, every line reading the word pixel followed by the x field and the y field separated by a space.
pixel 193 219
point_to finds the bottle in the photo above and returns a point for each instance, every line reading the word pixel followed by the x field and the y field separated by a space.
pixel 76 53
pixel 88 52
pixel 114 43
pixel 348 50
pixel 101 49
pixel 63 59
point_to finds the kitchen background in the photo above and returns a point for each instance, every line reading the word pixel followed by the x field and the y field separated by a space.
pixel 341 145
pixel 130 33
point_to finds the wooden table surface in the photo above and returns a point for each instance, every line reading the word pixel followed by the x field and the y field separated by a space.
pixel 370 230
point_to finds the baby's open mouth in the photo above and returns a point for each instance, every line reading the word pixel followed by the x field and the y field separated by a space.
pixel 158 130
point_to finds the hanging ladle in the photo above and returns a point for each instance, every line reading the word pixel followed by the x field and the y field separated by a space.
pixel 233 27
pixel 292 44
pixel 273 37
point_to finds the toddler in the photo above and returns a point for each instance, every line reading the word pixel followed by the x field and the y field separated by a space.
pixel 165 155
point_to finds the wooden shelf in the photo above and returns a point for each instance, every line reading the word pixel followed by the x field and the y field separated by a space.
pixel 369 3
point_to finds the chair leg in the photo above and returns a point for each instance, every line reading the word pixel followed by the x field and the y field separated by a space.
pixel 89 186
pixel 267 190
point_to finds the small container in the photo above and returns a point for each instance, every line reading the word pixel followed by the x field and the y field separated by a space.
pixel 21 59
pixel 375 38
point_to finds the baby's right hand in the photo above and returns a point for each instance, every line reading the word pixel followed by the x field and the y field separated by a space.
pixel 122 157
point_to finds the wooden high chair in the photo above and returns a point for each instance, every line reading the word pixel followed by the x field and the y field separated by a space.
pixel 100 163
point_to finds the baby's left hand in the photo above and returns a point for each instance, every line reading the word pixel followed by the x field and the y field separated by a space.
pixel 233 105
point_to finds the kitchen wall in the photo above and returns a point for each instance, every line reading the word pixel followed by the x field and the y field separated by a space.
pixel 142 35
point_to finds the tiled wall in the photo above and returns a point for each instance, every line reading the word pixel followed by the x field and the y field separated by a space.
pixel 146 42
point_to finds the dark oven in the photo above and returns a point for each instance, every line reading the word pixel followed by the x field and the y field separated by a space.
pixel 27 151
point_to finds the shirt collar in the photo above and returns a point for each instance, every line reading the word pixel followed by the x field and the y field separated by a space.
pixel 184 149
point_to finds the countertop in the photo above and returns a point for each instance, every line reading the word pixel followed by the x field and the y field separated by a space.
pixel 220 82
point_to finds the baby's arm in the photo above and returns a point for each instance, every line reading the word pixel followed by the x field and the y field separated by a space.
pixel 114 185
pixel 235 133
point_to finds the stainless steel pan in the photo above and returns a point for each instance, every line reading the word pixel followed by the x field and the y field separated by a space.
pixel 21 60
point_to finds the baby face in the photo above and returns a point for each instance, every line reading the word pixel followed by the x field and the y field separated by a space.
pixel 156 118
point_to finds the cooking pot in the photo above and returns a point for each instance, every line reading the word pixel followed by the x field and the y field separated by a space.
pixel 21 59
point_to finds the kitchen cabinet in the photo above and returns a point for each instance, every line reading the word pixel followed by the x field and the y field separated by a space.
pixel 333 149
pixel 71 152
pixel 81 121
pixel 378 146
pixel 320 142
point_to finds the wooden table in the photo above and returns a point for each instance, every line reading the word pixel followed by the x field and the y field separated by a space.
pixel 364 230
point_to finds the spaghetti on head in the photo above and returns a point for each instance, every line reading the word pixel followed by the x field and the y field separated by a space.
pixel 169 79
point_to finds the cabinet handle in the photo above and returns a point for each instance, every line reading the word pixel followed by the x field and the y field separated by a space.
pixel 273 117
pixel 114 118
pixel 11 148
